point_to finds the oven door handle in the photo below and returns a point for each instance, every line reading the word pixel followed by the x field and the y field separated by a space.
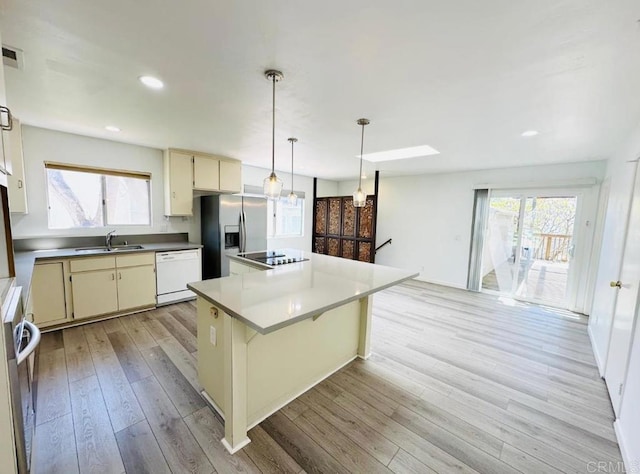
pixel 34 340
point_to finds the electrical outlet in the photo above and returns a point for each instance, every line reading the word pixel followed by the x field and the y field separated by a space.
pixel 212 335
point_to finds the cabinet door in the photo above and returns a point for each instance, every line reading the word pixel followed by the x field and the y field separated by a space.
pixel 231 176
pixel 5 152
pixel 180 184
pixel 206 173
pixel 47 293
pixel 94 293
pixel 136 287
pixel 16 184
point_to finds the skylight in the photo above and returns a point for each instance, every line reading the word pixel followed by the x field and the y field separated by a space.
pixel 400 153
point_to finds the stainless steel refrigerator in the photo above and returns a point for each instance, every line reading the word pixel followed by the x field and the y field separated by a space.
pixel 230 225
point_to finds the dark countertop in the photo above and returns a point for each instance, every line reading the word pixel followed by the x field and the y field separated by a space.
pixel 25 260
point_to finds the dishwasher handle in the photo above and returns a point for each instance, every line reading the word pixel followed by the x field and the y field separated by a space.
pixel 34 340
pixel 177 255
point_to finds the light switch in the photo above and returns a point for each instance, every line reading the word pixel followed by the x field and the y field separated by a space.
pixel 212 335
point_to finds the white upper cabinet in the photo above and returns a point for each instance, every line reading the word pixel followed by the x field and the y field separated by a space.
pixel 178 191
pixel 206 173
pixel 231 176
pixel 187 172
pixel 17 187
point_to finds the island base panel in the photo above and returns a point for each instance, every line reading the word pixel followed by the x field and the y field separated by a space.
pixel 250 375
pixel 285 363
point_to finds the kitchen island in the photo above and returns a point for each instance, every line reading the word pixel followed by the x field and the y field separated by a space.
pixel 267 335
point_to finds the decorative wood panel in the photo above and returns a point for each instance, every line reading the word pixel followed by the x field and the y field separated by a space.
pixel 321 216
pixel 334 216
pixel 365 227
pixel 348 249
pixel 364 251
pixel 348 217
pixel 320 246
pixel 342 230
pixel 333 247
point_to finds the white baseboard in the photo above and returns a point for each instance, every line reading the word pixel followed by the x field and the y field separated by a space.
pixel 238 447
pixel 596 353
pixel 629 464
pixel 257 422
pixel 306 389
pixel 441 283
pixel 212 403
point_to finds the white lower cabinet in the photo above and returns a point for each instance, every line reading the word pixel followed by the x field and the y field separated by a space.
pixel 94 293
pixel 136 280
pixel 79 288
pixel 47 300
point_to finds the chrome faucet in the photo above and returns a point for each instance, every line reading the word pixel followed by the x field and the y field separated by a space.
pixel 108 239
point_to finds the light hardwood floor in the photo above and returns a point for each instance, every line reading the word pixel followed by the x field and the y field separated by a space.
pixel 458 382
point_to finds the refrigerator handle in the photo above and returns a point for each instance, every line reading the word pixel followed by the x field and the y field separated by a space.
pixel 243 231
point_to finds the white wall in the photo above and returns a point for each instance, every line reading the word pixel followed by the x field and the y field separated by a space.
pixel 619 179
pixel 429 216
pixel 40 145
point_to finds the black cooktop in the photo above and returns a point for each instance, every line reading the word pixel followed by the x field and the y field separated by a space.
pixel 273 258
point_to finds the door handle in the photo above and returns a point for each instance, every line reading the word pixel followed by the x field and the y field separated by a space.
pixel 615 284
pixel 9 126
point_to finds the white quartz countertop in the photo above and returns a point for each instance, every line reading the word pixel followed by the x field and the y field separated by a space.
pixel 272 299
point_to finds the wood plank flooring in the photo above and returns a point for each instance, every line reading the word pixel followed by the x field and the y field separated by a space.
pixel 458 382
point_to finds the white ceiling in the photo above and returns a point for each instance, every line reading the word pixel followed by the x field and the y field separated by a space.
pixel 466 77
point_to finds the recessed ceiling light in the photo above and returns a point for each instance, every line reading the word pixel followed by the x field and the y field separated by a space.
pixel 151 82
pixel 530 133
pixel 401 153
pixel 112 128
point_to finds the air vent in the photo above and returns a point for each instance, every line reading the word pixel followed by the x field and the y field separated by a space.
pixel 12 57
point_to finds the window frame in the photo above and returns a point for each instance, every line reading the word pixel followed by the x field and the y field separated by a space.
pixel 272 208
pixel 103 173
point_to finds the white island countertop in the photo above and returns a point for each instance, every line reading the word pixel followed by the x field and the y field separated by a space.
pixel 273 299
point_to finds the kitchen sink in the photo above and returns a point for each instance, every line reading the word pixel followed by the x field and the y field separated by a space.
pixel 127 247
pixel 114 248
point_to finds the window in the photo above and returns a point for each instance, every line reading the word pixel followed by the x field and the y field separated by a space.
pixel 81 197
pixel 286 220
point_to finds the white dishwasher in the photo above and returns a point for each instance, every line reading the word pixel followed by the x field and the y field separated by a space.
pixel 174 270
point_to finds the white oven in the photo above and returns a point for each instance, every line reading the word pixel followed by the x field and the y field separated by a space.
pixel 173 271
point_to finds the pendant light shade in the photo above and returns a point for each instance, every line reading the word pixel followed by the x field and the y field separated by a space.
pixel 293 198
pixel 359 196
pixel 272 185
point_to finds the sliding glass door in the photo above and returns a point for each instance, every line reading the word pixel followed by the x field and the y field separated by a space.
pixel 529 245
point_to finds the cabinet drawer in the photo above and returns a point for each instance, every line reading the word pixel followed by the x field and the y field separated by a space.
pixel 136 259
pixel 88 264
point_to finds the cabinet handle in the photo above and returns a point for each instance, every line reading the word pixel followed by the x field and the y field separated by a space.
pixel 113 276
pixel 174 194
pixel 119 276
pixel 19 184
pixel 9 126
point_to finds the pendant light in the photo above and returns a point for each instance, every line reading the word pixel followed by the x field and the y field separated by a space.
pixel 293 198
pixel 360 197
pixel 272 185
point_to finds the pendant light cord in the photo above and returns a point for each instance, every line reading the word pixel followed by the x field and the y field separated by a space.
pixel 292 142
pixel 361 152
pixel 273 128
